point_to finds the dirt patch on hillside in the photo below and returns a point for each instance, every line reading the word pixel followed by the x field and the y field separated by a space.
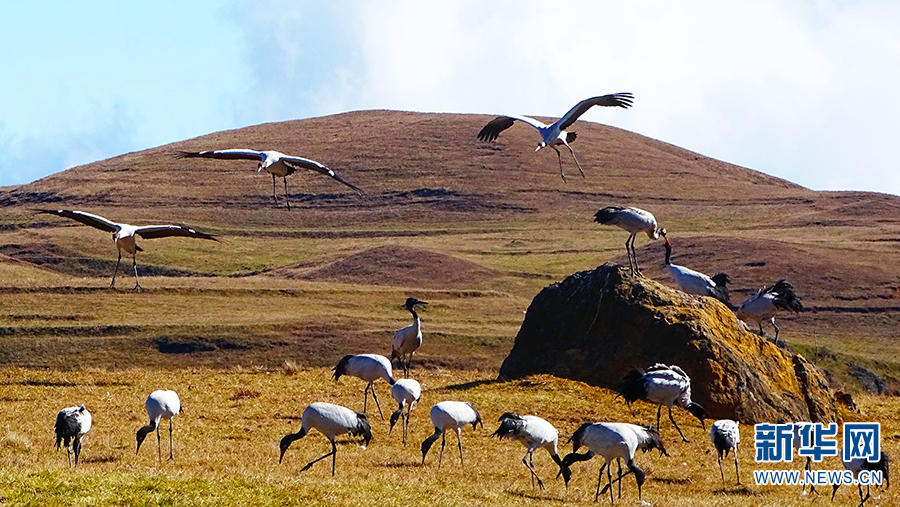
pixel 399 266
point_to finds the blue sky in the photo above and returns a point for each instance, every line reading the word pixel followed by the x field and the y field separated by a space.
pixel 801 89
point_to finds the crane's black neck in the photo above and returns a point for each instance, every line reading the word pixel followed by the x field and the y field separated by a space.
pixel 413 312
pixel 668 254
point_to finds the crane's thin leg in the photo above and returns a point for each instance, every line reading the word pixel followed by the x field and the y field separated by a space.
pixel 332 453
pixel 158 445
pixel 171 452
pixel 116 272
pixel 530 465
pixel 658 410
pixel 366 397
pixel 459 443
pixel 274 197
pixel 812 488
pixel 441 455
pixel 720 469
pixel 609 479
pixel 137 283
pixel 376 402
pixel 634 256
pixel 776 331
pixel 286 201
pixel 76 447
pixel 559 158
pixel 69 454
pixel 676 425
pixel 737 473
pixel 619 462
pixel 405 422
pixel 599 479
pixel 576 160
pixel 628 251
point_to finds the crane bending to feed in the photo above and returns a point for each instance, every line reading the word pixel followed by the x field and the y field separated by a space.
pixel 663 385
pixel 160 405
pixel 555 134
pixel 633 220
pixel 124 235
pixel 331 421
pixel 534 433
pixel 72 424
pixel 274 162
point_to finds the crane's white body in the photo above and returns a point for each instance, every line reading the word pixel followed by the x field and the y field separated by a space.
pixel 665 386
pixel 450 416
pixel 534 433
pixel 726 436
pixel 273 162
pixel 633 220
pixel 368 367
pixel 406 392
pixel 72 424
pixel 763 305
pixel 160 405
pixel 555 134
pixel 407 340
pixel 330 420
pixel 614 441
pixel 695 282
pixel 124 234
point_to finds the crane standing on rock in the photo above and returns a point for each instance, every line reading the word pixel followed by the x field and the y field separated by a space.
pixel 767 302
pixel 695 282
pixel 633 220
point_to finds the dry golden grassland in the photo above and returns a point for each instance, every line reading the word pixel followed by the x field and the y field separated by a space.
pixel 226 444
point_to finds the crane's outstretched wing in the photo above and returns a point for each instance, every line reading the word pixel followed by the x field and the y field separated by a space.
pixel 612 100
pixel 164 231
pixel 95 221
pixel 236 154
pixel 304 163
pixel 501 123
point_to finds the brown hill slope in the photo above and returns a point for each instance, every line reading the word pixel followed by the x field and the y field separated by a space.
pixel 431 186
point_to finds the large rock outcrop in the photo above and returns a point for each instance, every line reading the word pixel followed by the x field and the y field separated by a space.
pixel 595 325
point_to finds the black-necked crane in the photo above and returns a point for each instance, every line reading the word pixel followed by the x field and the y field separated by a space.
pixel 767 302
pixel 555 134
pixel 72 424
pixel 274 162
pixel 407 340
pixel 534 433
pixel 406 392
pixel 857 465
pixel 633 220
pixel 695 282
pixel 331 421
pixel 614 441
pixel 450 415
pixel 124 235
pixel 368 367
pixel 662 385
pixel 160 405
pixel 726 436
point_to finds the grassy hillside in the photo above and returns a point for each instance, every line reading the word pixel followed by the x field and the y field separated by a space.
pixel 476 228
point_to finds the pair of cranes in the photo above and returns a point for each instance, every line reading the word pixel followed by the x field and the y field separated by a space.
pixel 759 307
pixel 73 423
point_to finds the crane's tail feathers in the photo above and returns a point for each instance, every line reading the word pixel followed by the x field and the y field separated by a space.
pixel 631 388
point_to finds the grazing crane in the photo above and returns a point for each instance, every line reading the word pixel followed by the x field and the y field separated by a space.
pixel 555 134
pixel 124 235
pixel 160 405
pixel 534 433
pixel 274 162
pixel 72 424
pixel 368 367
pixel 614 441
pixel 450 415
pixel 695 282
pixel 633 220
pixel 802 429
pixel 331 421
pixel 725 436
pixel 857 465
pixel 409 339
pixel 407 392
pixel 767 302
pixel 663 385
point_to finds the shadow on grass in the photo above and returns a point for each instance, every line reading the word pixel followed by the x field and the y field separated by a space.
pixel 109 458
pixel 470 385
pixel 63 383
pixel 533 496
pixel 739 490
